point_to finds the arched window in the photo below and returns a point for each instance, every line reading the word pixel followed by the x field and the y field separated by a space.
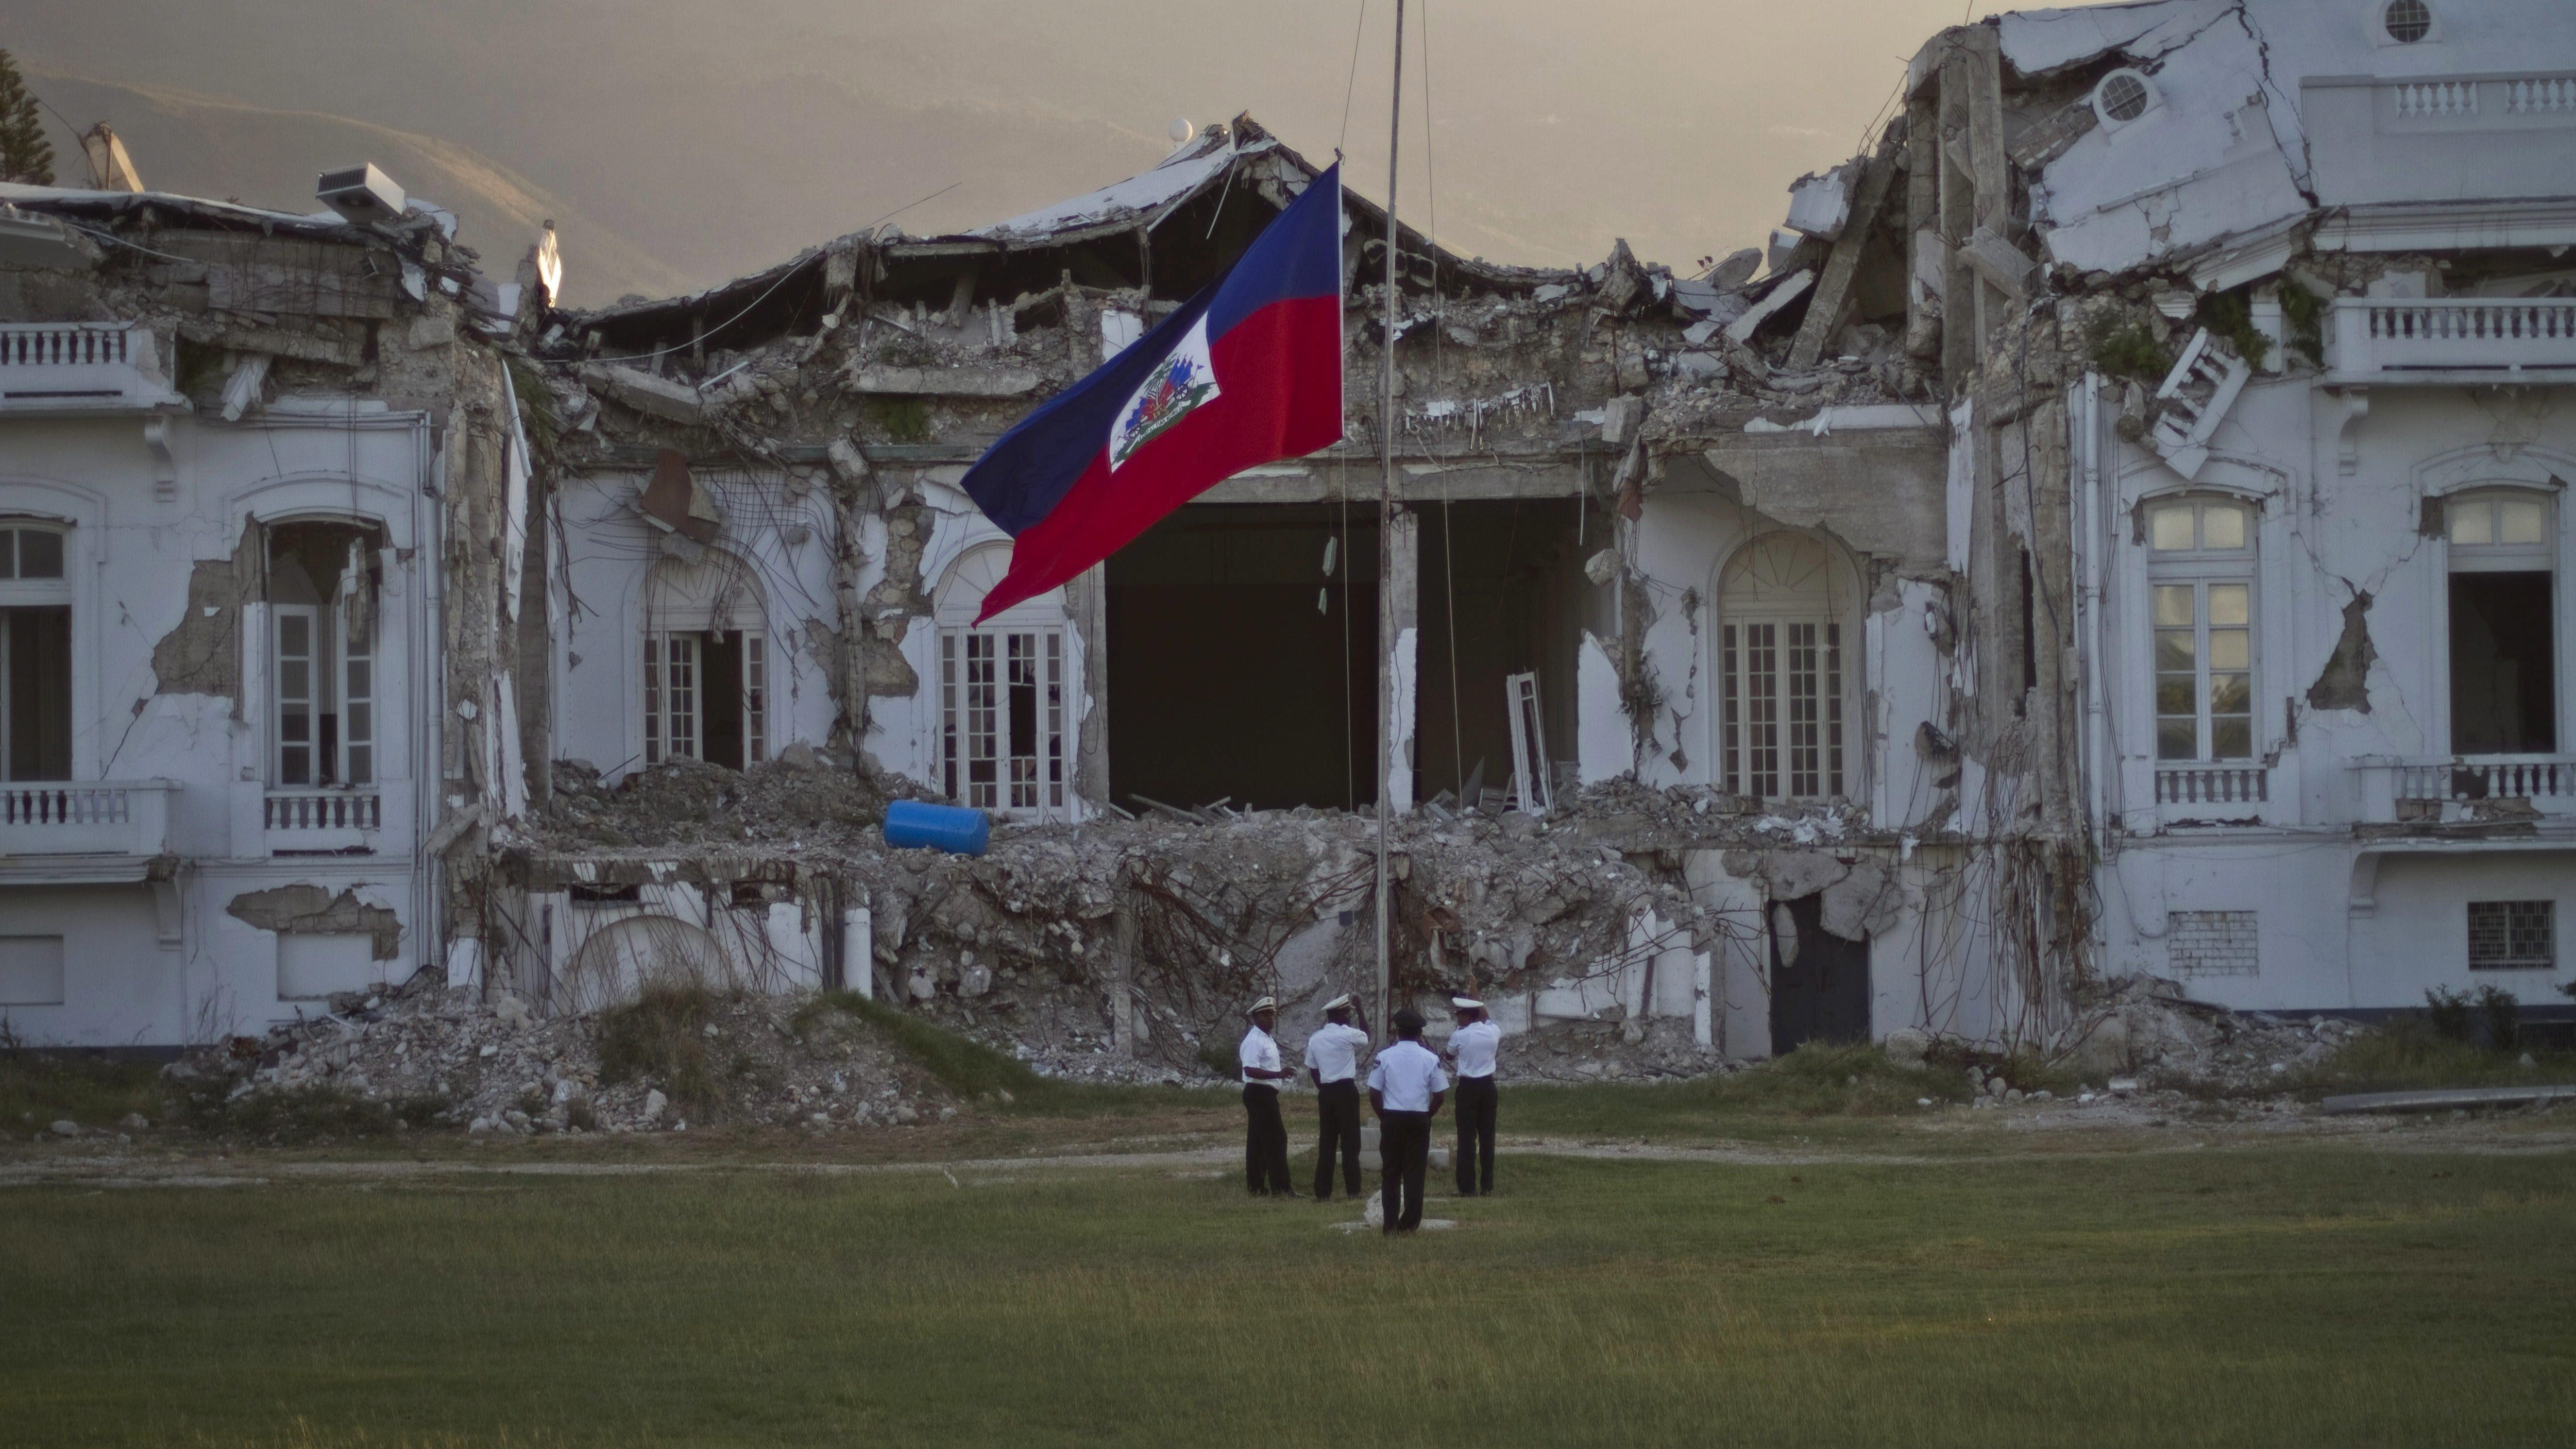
pixel 706 662
pixel 1780 671
pixel 2200 570
pixel 1001 692
pixel 2504 642
pixel 35 651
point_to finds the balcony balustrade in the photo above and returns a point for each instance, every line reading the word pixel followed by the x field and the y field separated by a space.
pixel 54 367
pixel 84 817
pixel 2385 341
pixel 2430 791
pixel 322 819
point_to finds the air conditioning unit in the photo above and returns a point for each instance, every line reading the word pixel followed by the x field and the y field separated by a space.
pixel 360 193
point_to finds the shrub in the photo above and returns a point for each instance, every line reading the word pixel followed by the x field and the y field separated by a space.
pixel 968 1068
pixel 2231 317
pixel 905 419
pixel 660 1038
pixel 2500 1013
pixel 2125 348
pixel 2304 313
pixel 2410 1054
pixel 2447 1013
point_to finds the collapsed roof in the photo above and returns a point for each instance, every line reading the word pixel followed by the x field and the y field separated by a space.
pixel 1212 194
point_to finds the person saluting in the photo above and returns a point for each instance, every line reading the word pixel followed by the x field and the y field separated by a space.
pixel 1472 1048
pixel 1332 1061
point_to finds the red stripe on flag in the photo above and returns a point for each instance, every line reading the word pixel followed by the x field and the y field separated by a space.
pixel 1280 371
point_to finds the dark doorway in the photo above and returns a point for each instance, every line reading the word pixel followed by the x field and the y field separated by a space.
pixel 36 694
pixel 1822 993
pixel 1515 570
pixel 2504 693
pixel 1239 668
pixel 723 686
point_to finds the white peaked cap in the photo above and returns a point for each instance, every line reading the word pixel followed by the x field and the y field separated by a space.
pixel 1338 1002
pixel 1264 1004
pixel 1466 1003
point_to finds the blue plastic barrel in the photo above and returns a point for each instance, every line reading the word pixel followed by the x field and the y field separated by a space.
pixel 951 828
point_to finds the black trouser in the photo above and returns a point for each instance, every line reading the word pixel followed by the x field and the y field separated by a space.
pixel 1265 1141
pixel 1338 1108
pixel 1404 1146
pixel 1475 1135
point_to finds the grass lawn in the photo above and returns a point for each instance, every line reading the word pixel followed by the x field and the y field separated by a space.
pixel 2300 1294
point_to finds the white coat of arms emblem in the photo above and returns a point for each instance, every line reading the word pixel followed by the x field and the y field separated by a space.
pixel 1172 391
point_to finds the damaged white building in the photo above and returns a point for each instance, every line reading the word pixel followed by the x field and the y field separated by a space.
pixel 253 469
pixel 2112 532
pixel 2298 275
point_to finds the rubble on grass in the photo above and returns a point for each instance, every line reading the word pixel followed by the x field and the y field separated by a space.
pixel 1019 947
pixel 497 1067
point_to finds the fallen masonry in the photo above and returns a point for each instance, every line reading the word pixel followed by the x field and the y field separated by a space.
pixel 495 1067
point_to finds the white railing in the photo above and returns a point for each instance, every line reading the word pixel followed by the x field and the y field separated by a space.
pixel 2479 102
pixel 2427 790
pixel 337 811
pixel 2553 95
pixel 2378 141
pixel 2418 100
pixel 84 817
pixel 2378 337
pixel 2212 784
pixel 79 365
pixel 66 344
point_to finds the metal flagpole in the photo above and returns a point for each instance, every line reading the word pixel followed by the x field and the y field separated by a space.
pixel 1385 552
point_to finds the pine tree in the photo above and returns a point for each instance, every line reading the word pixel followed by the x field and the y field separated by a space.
pixel 25 155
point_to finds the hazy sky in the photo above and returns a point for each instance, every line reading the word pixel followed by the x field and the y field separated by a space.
pixel 715 138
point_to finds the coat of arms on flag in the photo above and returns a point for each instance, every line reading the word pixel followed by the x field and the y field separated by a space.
pixel 1148 430
pixel 1170 393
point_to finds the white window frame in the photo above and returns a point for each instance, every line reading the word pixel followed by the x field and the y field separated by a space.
pixel 2155 99
pixel 2534 555
pixel 1788 653
pixel 2202 568
pixel 978 668
pixel 2374 23
pixel 336 678
pixel 674 704
pixel 674 710
pixel 51 592
pixel 282 703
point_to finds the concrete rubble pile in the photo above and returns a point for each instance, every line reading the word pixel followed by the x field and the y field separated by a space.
pixel 497 1067
pixel 1022 947
pixel 2149 1030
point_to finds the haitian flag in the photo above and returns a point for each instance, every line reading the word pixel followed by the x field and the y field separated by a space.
pixel 1247 372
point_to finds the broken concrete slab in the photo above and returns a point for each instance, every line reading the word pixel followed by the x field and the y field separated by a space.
pixel 1821 202
pixel 676 402
pixel 2446 1100
pixel 1790 290
pixel 944 381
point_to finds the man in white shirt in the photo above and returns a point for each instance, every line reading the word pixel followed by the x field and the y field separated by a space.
pixel 1332 1060
pixel 1406 1087
pixel 1472 1047
pixel 1265 1136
